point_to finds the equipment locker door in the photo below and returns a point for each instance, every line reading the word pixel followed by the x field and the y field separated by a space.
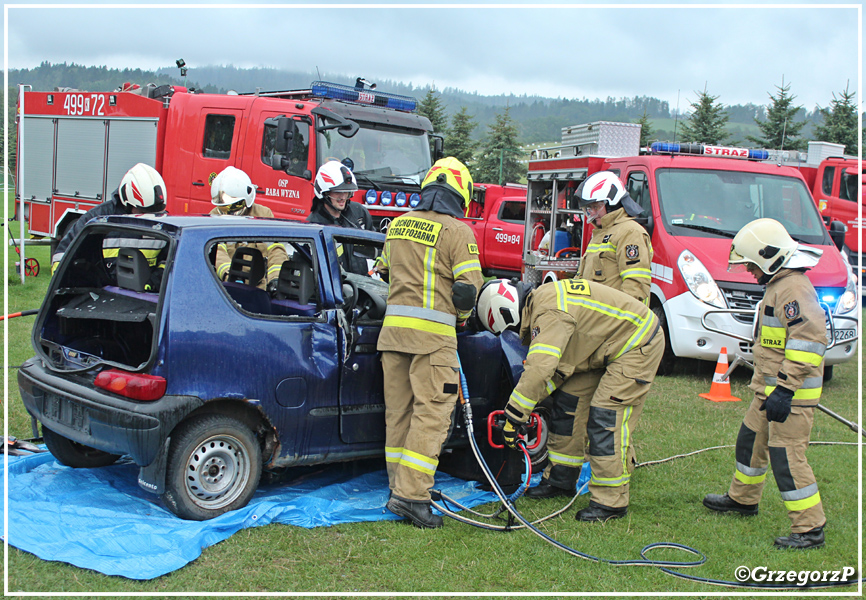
pixel 219 137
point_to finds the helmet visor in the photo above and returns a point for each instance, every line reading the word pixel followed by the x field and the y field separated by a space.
pixel 232 208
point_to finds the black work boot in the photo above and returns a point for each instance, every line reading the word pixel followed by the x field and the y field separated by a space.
pixel 723 503
pixel 814 538
pixel 600 512
pixel 417 512
pixel 546 490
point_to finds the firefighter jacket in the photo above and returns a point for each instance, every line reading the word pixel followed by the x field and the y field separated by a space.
pixel 425 253
pixel 573 326
pixel 354 216
pixel 112 206
pixel 790 339
pixel 619 255
pixel 273 252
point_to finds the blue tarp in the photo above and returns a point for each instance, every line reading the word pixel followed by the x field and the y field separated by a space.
pixel 100 519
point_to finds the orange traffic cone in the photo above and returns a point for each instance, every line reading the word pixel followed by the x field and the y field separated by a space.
pixel 720 390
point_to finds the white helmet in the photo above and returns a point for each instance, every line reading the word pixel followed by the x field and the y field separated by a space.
pixel 334 176
pixel 763 242
pixel 232 191
pixel 142 187
pixel 606 187
pixel 498 306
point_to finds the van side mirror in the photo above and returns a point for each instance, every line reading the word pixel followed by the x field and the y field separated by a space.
pixel 837 233
pixel 285 136
pixel 646 222
pixel 438 148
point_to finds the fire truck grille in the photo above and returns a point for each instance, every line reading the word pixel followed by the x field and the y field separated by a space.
pixel 742 296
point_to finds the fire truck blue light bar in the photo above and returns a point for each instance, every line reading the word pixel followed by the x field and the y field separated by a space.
pixel 707 150
pixel 346 93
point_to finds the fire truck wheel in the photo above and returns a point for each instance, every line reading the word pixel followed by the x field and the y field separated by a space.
pixel 666 366
pixel 828 372
pixel 75 455
pixel 214 465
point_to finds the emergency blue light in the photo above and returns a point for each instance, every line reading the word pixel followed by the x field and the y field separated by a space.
pixel 401 199
pixel 370 197
pixel 386 199
pixel 414 200
pixel 346 93
pixel 708 150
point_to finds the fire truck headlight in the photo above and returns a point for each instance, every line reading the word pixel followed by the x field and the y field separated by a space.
pixel 850 299
pixel 699 280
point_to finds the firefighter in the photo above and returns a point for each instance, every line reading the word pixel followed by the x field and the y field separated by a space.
pixel 574 326
pixel 334 185
pixel 619 256
pixel 790 340
pixel 141 191
pixel 232 193
pixel 332 205
pixel 431 260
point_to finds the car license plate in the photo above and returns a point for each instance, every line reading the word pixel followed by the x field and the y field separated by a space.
pixel 63 411
pixel 845 334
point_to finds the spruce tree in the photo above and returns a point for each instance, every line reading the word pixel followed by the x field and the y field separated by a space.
pixel 458 141
pixel 432 108
pixel 498 160
pixel 646 130
pixel 707 122
pixel 780 130
pixel 840 122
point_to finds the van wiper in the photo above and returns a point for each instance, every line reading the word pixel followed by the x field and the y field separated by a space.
pixel 721 232
pixel 370 182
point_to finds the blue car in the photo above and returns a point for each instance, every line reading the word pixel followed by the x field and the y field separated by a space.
pixel 205 381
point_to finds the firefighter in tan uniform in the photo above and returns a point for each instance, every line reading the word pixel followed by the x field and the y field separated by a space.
pixel 790 340
pixel 573 326
pixel 619 256
pixel 431 262
pixel 232 193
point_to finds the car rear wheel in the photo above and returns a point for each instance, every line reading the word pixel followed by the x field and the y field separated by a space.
pixel 73 454
pixel 214 466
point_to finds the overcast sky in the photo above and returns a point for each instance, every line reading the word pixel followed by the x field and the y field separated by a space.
pixel 740 52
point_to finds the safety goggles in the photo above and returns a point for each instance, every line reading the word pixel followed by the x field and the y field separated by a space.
pixel 233 208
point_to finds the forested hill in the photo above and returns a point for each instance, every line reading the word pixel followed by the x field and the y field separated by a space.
pixel 539 119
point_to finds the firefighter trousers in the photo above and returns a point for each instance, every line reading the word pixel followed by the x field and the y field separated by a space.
pixel 566 442
pixel 614 413
pixel 420 398
pixel 781 446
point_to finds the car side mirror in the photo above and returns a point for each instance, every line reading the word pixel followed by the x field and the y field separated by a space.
pixel 838 229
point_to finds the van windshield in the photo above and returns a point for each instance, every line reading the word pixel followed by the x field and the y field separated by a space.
pixel 381 153
pixel 704 203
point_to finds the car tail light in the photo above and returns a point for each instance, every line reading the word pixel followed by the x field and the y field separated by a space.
pixel 137 386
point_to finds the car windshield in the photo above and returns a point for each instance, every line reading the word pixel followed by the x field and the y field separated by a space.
pixel 705 203
pixel 380 153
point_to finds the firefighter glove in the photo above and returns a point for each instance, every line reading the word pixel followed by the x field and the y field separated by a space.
pixel 511 430
pixel 778 404
pixel 272 287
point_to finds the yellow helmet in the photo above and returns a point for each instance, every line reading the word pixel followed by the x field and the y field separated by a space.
pixel 453 174
pixel 762 242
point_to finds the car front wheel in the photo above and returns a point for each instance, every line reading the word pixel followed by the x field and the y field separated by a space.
pixel 214 466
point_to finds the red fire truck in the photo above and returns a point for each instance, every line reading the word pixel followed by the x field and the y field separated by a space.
pixel 75 146
pixel 695 198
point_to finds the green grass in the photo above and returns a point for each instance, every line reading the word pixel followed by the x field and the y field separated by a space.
pixel 395 558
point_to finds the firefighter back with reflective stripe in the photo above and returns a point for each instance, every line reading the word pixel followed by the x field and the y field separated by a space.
pixel 274 253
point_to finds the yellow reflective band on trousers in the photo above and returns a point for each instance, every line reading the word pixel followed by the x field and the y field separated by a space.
pixel 392 455
pixel 749 479
pixel 419 325
pixel 810 358
pixel 625 440
pixel 803 393
pixel 522 401
pixel 801 499
pixel 418 462
pixel 544 349
pixel 429 292
pixel 564 459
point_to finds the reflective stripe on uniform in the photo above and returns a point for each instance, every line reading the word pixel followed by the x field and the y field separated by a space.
pixel 274 268
pixel 810 390
pixel 564 459
pixel 418 312
pixel 150 255
pixel 392 455
pixel 625 440
pixel 418 462
pixel 522 401
pixel 801 499
pixel 607 247
pixel 811 353
pixel 419 325
pixel 750 475
pixel 465 267
pixel 544 349
pixel 550 386
pixel 636 273
pixel 429 290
